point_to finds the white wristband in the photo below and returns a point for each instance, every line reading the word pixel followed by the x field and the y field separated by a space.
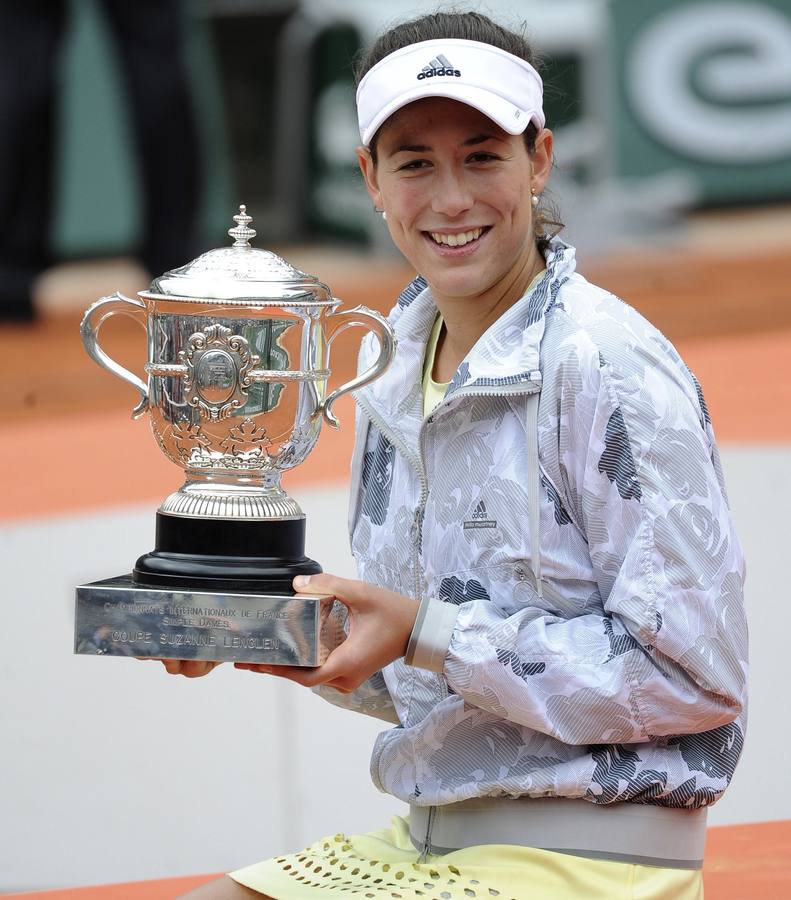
pixel 431 634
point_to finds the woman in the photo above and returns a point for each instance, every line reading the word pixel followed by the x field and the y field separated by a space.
pixel 550 606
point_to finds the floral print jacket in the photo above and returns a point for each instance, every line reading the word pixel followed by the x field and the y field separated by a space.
pixel 626 679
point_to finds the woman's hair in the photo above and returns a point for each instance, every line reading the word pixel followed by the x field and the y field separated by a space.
pixel 470 26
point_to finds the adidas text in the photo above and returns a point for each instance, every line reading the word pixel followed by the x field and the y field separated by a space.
pixel 432 72
pixel 480 518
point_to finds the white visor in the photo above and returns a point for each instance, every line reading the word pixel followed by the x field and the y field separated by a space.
pixel 502 86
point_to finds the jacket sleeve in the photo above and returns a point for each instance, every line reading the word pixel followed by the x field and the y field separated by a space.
pixel 665 651
pixel 371 698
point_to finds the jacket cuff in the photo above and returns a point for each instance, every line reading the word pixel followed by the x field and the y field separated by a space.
pixel 430 638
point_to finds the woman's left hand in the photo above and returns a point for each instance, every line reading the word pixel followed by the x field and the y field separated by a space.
pixel 380 623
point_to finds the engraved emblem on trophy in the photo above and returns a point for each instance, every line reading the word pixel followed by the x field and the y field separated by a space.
pixel 238 365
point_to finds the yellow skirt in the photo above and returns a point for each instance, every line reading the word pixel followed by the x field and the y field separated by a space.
pixel 384 864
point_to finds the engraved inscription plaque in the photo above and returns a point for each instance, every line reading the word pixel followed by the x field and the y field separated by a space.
pixel 116 617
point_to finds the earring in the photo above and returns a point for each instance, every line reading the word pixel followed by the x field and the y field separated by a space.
pixel 534 198
pixel 381 212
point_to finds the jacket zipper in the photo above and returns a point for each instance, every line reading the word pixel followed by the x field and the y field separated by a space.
pixel 523 387
pixel 426 848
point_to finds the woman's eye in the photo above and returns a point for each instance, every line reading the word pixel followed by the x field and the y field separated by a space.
pixel 413 165
pixel 482 157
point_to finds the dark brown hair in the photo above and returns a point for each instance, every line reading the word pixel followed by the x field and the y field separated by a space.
pixel 470 26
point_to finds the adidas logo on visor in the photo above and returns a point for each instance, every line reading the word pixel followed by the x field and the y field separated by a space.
pixel 440 65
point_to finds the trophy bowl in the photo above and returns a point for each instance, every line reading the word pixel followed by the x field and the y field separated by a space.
pixel 238 364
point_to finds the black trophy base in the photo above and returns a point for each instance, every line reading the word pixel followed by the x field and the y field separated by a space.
pixel 226 555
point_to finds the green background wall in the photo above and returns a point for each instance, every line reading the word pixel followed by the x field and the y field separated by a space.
pixel 97 204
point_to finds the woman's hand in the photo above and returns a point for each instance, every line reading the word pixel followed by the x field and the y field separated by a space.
pixel 380 623
pixel 189 668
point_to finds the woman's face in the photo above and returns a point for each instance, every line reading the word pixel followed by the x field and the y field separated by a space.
pixel 457 192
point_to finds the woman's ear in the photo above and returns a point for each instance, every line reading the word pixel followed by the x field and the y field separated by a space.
pixel 368 169
pixel 542 159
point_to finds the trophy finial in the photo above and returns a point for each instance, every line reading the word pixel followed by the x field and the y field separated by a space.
pixel 242 234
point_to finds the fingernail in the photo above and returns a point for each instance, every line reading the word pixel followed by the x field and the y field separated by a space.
pixel 301 581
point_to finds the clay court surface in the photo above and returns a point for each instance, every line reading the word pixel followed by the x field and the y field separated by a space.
pixel 75 761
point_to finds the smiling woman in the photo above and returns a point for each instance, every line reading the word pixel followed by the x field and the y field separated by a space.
pixel 564 655
pixel 459 208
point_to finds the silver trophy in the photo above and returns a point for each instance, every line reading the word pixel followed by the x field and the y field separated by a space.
pixel 238 362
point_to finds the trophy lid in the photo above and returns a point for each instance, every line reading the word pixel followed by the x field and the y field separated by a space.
pixel 240 273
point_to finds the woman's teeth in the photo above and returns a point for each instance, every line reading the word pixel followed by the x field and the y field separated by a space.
pixel 457 240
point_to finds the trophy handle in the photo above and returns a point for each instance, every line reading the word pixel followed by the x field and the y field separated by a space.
pixel 93 320
pixel 378 324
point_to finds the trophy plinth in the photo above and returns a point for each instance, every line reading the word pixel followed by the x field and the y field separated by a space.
pixel 120 617
pixel 238 363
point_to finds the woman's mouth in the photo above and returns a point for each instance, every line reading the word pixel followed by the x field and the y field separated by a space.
pixel 457 243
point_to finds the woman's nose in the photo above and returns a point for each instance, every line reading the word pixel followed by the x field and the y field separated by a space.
pixel 451 196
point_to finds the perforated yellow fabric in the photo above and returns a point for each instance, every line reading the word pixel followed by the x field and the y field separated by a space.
pixel 384 864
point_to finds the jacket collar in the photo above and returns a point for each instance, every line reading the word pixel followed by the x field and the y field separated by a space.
pixel 505 355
